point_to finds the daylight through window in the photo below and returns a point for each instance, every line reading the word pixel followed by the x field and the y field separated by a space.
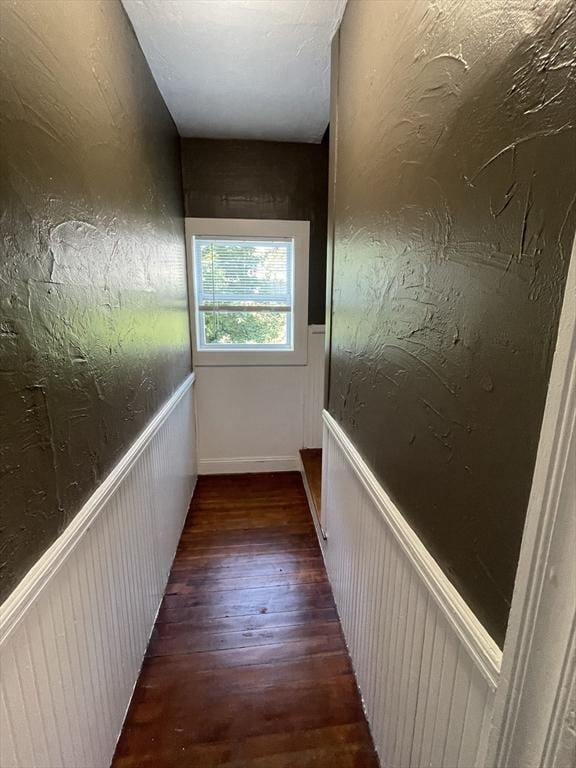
pixel 244 292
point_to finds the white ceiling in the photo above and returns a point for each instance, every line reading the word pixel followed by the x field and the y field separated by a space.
pixel 241 69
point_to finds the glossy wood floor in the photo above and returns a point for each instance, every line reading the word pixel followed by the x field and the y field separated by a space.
pixel 247 666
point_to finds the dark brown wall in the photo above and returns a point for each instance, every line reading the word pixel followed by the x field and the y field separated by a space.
pixel 454 219
pixel 93 324
pixel 263 180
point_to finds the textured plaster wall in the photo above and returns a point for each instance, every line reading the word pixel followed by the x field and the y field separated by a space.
pixel 263 180
pixel 93 314
pixel 455 189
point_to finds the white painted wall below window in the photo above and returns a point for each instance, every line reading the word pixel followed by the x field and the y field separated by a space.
pixel 256 419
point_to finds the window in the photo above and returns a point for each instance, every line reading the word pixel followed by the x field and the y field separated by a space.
pixel 244 292
pixel 250 291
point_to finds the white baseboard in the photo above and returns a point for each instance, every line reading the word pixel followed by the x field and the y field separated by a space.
pixel 248 464
pixel 426 667
pixel 74 631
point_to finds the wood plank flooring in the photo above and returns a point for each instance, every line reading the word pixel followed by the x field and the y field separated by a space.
pixel 247 666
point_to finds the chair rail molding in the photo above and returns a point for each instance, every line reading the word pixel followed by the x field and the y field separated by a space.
pixel 534 722
pixel 426 667
pixel 74 631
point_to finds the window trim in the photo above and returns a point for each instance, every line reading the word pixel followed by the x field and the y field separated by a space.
pixel 299 231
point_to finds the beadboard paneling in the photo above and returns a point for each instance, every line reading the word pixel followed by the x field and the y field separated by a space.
pixel 74 632
pixel 426 668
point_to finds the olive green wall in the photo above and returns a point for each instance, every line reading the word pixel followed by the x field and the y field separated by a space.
pixel 454 215
pixel 263 180
pixel 94 323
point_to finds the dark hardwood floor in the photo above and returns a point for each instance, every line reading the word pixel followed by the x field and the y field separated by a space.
pixel 247 666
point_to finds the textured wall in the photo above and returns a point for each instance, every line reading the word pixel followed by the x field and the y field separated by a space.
pixel 93 324
pixel 454 218
pixel 263 180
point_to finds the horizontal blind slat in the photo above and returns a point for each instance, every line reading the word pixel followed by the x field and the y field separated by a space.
pixel 252 270
pixel 242 308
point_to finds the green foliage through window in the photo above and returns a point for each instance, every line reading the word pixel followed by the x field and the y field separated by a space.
pixel 245 291
pixel 245 327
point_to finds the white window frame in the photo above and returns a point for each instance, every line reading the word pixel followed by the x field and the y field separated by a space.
pixel 299 232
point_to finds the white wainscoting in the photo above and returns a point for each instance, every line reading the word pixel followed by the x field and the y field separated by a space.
pixel 426 668
pixel 74 632
pixel 256 418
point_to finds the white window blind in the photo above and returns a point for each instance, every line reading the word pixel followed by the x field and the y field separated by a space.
pixel 244 292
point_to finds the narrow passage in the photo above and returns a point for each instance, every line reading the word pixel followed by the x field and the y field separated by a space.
pixel 247 666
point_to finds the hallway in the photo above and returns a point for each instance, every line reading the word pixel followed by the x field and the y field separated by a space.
pixel 288 384
pixel 247 665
